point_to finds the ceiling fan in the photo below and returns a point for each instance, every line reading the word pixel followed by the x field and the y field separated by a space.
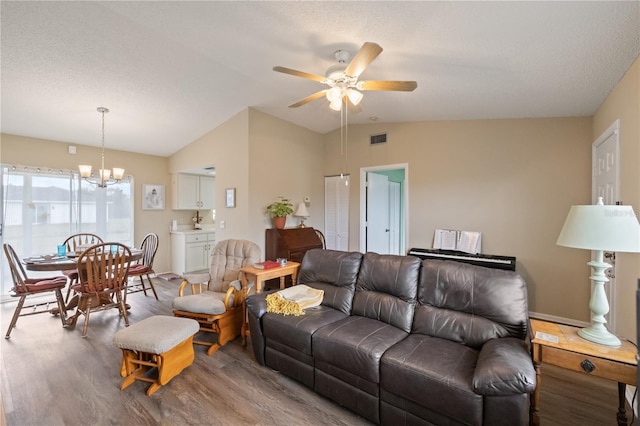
pixel 342 78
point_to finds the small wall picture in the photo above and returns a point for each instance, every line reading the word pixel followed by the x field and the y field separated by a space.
pixel 152 197
pixel 230 197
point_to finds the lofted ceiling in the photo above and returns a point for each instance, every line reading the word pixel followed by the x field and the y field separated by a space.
pixel 172 71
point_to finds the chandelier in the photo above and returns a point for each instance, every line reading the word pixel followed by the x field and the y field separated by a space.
pixel 105 174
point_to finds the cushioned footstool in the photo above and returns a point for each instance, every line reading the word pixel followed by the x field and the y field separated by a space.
pixel 160 341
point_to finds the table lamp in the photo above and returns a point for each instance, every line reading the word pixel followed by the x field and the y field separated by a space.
pixel 600 228
pixel 302 213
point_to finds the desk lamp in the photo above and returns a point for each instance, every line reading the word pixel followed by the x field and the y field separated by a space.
pixel 600 228
pixel 302 213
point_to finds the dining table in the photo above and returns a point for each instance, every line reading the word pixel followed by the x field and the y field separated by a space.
pixel 48 263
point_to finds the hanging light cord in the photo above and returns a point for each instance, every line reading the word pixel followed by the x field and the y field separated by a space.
pixel 344 138
pixel 102 181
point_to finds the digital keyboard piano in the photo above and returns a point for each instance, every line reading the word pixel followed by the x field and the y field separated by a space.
pixel 487 260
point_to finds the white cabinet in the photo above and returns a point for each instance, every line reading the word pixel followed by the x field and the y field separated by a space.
pixel 193 192
pixel 191 251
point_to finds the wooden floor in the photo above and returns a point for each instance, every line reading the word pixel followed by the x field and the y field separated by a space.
pixel 52 376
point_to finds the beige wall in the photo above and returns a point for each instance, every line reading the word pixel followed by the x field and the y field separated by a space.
pixel 262 157
pixel 285 160
pixel 227 148
pixel 513 180
pixel 624 103
pixel 146 169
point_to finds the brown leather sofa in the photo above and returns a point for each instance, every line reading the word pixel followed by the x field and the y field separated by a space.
pixel 402 341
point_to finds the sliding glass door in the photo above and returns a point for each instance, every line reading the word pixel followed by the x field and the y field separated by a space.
pixel 41 208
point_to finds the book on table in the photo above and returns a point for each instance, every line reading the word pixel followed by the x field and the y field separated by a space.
pixel 267 264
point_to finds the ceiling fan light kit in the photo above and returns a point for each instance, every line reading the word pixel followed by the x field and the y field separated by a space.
pixel 343 80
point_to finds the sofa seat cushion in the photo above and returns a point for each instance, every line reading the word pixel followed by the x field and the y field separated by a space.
pixel 295 332
pixel 440 373
pixel 355 344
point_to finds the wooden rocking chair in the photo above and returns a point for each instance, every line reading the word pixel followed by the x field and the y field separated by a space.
pixel 217 297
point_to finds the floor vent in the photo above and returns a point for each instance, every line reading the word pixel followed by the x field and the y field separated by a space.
pixel 381 138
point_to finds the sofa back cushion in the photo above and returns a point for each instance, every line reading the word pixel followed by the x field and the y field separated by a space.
pixel 333 271
pixel 387 288
pixel 470 304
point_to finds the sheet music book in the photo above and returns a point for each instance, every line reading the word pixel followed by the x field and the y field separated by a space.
pixel 465 241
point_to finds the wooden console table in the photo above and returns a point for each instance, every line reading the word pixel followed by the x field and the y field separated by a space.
pixel 560 345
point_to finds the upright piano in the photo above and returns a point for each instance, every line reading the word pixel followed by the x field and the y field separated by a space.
pixel 291 243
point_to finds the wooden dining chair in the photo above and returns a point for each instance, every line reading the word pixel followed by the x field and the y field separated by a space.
pixel 144 266
pixel 24 287
pixel 72 243
pixel 102 276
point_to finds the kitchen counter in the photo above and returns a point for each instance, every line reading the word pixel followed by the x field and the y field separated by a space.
pixel 193 231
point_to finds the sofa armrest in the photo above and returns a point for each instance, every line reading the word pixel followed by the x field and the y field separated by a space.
pixel 504 368
pixel 256 305
pixel 256 308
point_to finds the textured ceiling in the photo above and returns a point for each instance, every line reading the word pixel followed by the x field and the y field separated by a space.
pixel 171 71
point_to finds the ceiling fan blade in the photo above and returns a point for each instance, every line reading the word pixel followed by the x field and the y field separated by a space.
pixel 301 74
pixel 308 99
pixel 399 86
pixel 367 53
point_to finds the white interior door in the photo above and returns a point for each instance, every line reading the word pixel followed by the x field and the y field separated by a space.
pixel 378 230
pixel 336 212
pixel 606 184
pixel 394 217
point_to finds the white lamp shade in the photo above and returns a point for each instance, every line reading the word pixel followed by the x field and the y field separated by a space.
pixel 336 105
pixel 302 210
pixel 105 173
pixel 85 170
pixel 600 227
pixel 334 94
pixel 118 174
pixel 354 96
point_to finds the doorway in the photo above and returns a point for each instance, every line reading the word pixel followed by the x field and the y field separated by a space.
pixel 383 207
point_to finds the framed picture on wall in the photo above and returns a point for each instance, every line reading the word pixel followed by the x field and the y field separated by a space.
pixel 152 197
pixel 230 197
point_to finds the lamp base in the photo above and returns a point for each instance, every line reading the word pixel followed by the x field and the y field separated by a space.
pixel 302 225
pixel 600 335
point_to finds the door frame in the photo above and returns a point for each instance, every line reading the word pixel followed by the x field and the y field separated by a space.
pixel 404 217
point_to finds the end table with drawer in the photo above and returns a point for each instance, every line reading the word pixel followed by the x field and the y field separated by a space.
pixel 560 345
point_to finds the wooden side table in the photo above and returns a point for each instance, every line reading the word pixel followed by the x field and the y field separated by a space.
pixel 260 276
pixel 560 345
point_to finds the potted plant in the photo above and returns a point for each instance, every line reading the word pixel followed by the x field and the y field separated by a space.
pixel 279 210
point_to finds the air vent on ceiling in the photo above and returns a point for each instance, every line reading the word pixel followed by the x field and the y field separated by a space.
pixel 376 139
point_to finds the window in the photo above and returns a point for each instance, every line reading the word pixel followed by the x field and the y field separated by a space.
pixel 42 207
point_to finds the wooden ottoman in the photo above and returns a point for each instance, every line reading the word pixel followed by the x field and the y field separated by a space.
pixel 159 341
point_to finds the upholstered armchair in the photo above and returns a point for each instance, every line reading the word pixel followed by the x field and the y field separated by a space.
pixel 216 297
